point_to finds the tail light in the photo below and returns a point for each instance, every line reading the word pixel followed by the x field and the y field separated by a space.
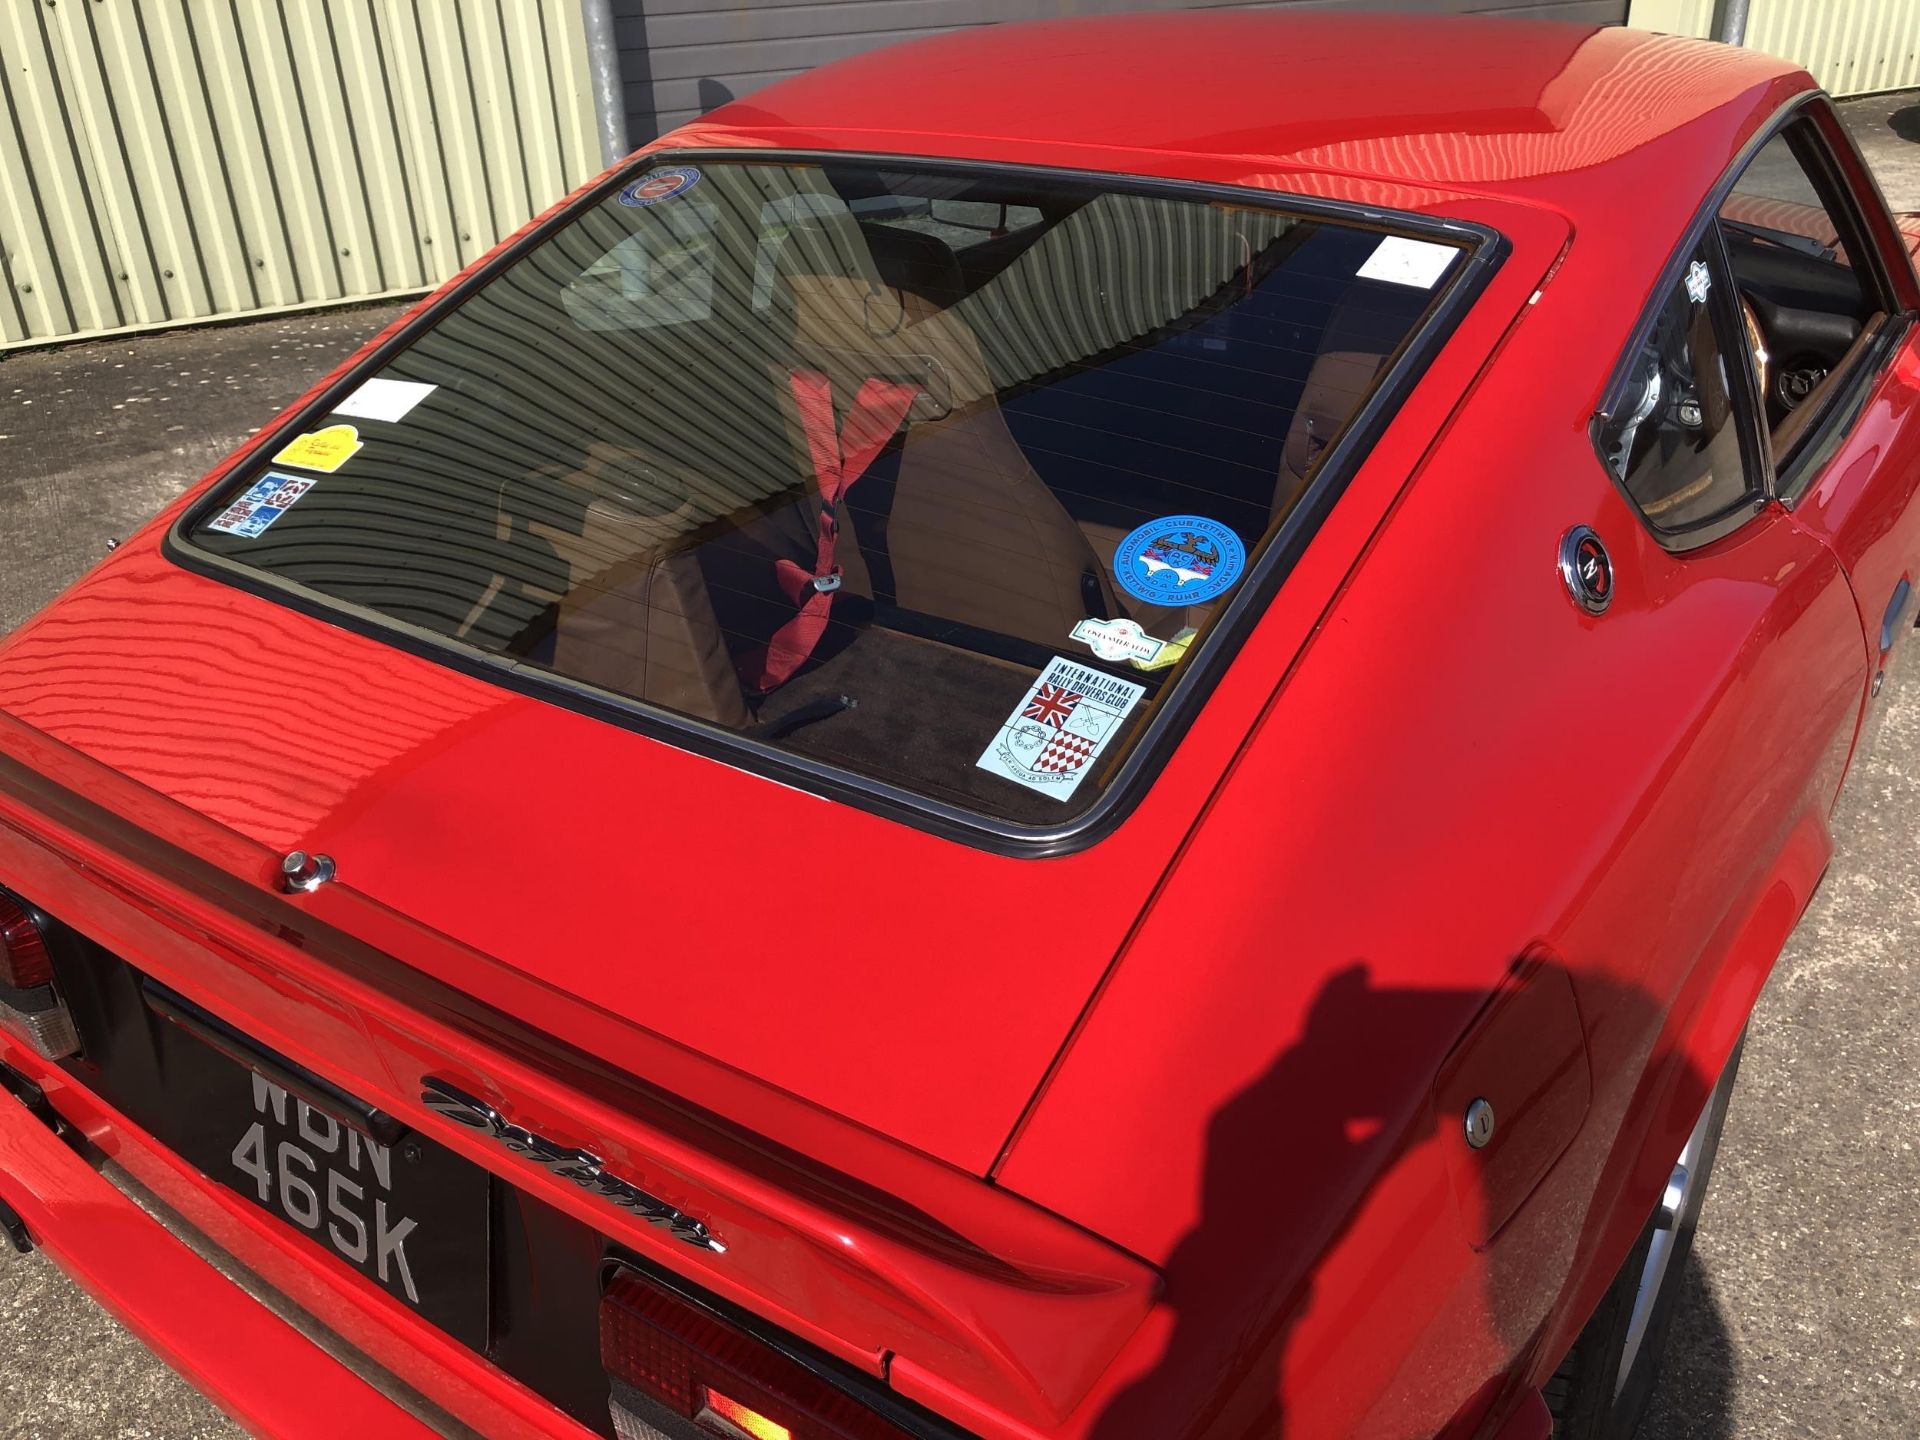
pixel 30 1009
pixel 681 1372
pixel 23 950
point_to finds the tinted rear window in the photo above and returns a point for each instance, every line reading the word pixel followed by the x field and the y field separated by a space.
pixel 942 480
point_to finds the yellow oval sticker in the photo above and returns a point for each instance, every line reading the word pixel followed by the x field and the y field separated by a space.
pixel 323 450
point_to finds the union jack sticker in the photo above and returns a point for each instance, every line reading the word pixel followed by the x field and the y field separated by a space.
pixel 1057 731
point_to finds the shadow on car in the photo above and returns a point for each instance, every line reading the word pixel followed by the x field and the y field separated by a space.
pixel 1230 1365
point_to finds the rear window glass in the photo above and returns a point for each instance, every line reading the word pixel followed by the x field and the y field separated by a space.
pixel 942 479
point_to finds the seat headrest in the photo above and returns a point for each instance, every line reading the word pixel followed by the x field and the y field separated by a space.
pixel 871 299
pixel 915 263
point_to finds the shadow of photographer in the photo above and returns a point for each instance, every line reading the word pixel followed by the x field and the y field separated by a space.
pixel 1332 1286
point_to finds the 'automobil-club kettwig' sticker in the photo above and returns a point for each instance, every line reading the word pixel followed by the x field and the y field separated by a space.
pixel 660 185
pixel 1181 560
pixel 266 500
pixel 1119 641
pixel 324 450
pixel 1060 727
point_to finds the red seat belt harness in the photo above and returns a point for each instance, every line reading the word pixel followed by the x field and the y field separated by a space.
pixel 839 459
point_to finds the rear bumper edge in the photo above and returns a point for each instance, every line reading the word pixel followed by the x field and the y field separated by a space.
pixel 251 1363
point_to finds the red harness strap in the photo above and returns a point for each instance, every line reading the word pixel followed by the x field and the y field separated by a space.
pixel 838 461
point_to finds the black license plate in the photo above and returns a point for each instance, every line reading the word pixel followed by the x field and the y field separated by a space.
pixel 411 1216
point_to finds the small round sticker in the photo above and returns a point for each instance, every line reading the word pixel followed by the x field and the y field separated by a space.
pixel 660 185
pixel 1181 560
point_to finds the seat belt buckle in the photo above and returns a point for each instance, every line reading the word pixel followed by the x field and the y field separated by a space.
pixel 826 584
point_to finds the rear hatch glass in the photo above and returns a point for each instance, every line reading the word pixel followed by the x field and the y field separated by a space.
pixel 941 483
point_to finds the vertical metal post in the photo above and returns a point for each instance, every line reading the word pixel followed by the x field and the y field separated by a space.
pixel 1730 21
pixel 603 65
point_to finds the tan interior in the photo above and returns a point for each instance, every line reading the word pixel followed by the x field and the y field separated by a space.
pixel 636 619
pixel 975 536
pixel 1336 386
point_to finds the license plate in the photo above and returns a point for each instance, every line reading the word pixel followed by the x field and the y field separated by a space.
pixel 411 1216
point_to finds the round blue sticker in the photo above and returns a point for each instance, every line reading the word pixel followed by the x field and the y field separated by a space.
pixel 1181 560
pixel 660 185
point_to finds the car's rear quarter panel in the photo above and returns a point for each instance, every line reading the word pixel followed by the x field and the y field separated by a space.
pixel 1463 770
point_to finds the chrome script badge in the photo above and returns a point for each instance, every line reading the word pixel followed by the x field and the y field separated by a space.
pixel 582 1167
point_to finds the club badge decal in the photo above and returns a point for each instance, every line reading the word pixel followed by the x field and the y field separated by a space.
pixel 1181 560
pixel 660 185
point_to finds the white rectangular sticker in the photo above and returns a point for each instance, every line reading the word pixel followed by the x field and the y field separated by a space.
pixel 1060 726
pixel 384 399
pixel 269 497
pixel 1400 261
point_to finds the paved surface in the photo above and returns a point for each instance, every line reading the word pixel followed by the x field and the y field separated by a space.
pixel 1804 1313
pixel 94 438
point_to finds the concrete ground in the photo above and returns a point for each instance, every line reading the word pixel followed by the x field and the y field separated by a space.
pixel 1803 1313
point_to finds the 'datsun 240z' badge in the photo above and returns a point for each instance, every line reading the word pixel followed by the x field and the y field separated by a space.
pixel 582 1167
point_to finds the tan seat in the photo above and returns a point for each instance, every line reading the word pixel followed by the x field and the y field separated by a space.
pixel 636 618
pixel 973 534
pixel 1336 386
pixel 1358 340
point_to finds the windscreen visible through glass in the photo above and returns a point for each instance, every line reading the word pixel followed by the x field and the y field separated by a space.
pixel 940 479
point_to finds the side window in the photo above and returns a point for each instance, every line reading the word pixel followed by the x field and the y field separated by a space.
pixel 1793 242
pixel 1671 436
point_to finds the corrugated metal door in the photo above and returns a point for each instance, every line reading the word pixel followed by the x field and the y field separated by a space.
pixel 168 161
pixel 680 58
pixel 1852 47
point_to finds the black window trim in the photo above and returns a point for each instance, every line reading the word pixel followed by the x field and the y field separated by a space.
pixel 1484 250
pixel 1861 370
pixel 1842 408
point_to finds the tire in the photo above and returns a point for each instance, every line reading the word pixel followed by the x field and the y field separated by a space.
pixel 1601 1389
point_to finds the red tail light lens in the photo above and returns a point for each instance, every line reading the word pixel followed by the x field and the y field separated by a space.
pixel 23 953
pixel 712 1379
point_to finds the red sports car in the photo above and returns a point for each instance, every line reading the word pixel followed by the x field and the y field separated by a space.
pixel 1082 732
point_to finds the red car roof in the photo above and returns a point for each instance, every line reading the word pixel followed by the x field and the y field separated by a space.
pixel 1463 103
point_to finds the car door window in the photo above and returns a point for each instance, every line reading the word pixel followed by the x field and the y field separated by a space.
pixel 1671 436
pixel 1808 292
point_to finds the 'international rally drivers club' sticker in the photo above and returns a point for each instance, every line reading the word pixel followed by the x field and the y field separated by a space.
pixel 270 497
pixel 1181 560
pixel 660 185
pixel 1060 727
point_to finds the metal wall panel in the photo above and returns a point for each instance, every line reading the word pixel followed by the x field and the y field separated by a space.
pixel 1852 47
pixel 167 161
pixel 680 58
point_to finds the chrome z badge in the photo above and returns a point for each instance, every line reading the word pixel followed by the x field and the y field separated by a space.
pixel 582 1167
